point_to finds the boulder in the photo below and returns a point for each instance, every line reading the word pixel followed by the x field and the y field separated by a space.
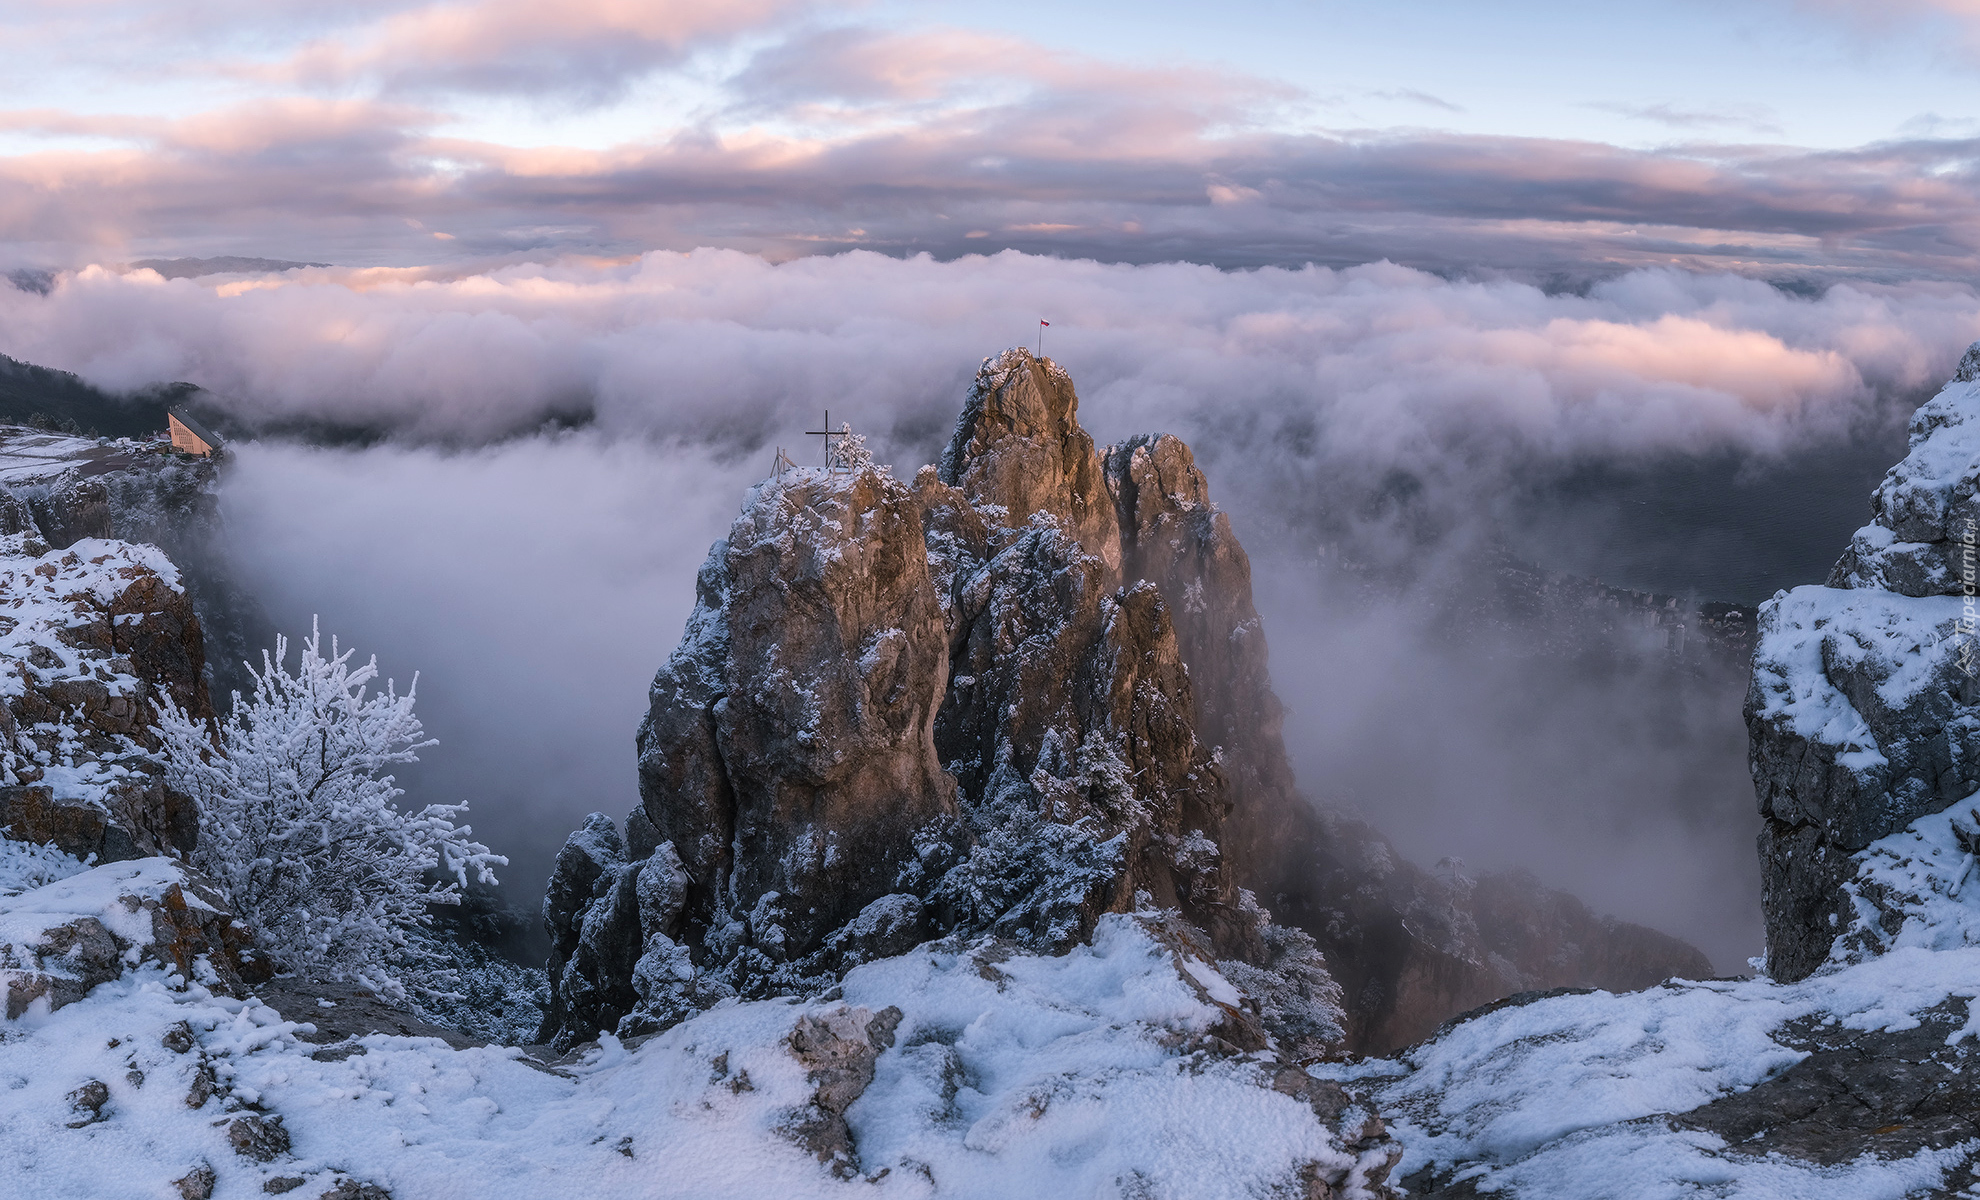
pixel 838 1050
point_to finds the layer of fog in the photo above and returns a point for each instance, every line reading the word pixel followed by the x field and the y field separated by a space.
pixel 537 579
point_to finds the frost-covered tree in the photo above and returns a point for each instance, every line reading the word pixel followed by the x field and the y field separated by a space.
pixel 298 821
pixel 849 452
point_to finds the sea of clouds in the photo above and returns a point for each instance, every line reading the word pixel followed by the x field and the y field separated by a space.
pixel 537 456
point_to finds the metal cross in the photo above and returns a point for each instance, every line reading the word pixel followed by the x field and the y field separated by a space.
pixel 828 433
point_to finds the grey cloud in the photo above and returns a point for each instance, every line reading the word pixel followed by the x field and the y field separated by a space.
pixel 944 141
pixel 1423 98
pixel 1755 117
pixel 952 142
pixel 340 183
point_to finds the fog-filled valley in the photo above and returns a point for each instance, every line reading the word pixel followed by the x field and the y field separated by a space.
pixel 1507 546
pixel 1370 431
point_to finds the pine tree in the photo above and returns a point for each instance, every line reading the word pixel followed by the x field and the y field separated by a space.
pixel 298 822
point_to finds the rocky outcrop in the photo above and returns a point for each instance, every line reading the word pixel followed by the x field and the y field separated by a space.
pixel 1861 708
pixel 1023 691
pixel 60 940
pixel 1887 1093
pixel 94 633
pixel 92 639
pixel 900 710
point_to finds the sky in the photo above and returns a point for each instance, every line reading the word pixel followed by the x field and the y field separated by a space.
pixel 1814 140
pixel 1645 290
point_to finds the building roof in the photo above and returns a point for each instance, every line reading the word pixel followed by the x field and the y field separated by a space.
pixel 199 431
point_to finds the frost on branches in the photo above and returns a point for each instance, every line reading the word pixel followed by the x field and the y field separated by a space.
pixel 297 820
pixel 849 452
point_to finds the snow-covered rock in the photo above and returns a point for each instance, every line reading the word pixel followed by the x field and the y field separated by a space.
pixel 1855 1085
pixel 91 637
pixel 1855 1082
pixel 64 938
pixel 1862 705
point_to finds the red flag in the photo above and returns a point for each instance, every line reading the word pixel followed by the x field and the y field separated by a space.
pixel 1046 324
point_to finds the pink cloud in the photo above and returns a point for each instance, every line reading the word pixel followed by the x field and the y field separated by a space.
pixel 584 46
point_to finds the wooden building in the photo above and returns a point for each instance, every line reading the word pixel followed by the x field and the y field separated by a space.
pixel 189 435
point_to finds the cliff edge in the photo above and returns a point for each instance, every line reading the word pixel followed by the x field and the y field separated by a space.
pixel 1861 709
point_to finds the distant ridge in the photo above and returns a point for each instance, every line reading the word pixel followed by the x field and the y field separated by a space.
pixel 31 395
pixel 30 279
pixel 226 264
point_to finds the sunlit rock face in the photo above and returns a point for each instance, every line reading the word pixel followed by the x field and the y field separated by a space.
pixel 1027 689
pixel 1862 705
pixel 789 754
pixel 1070 718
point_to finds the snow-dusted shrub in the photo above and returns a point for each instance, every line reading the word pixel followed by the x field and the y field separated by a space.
pixel 298 825
pixel 25 866
pixel 487 995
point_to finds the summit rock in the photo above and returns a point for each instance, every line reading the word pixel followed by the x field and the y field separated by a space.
pixel 1022 691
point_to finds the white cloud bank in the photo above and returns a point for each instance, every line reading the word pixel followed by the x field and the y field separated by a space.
pixel 537 580
pixel 723 345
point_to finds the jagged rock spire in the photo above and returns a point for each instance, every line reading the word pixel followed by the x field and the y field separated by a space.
pixel 1018 450
pixel 1025 691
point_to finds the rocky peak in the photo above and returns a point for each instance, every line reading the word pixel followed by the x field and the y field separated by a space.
pixel 1175 538
pixel 789 752
pixel 1025 691
pixel 1019 450
pixel 905 710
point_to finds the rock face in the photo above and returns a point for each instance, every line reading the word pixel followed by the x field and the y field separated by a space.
pixel 94 632
pixel 1861 709
pixel 1026 690
pixel 94 637
pixel 790 748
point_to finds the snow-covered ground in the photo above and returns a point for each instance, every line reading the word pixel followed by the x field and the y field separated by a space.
pixel 1564 1097
pixel 1092 1074
pixel 1567 1096
pixel 1080 1075
pixel 1088 1074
